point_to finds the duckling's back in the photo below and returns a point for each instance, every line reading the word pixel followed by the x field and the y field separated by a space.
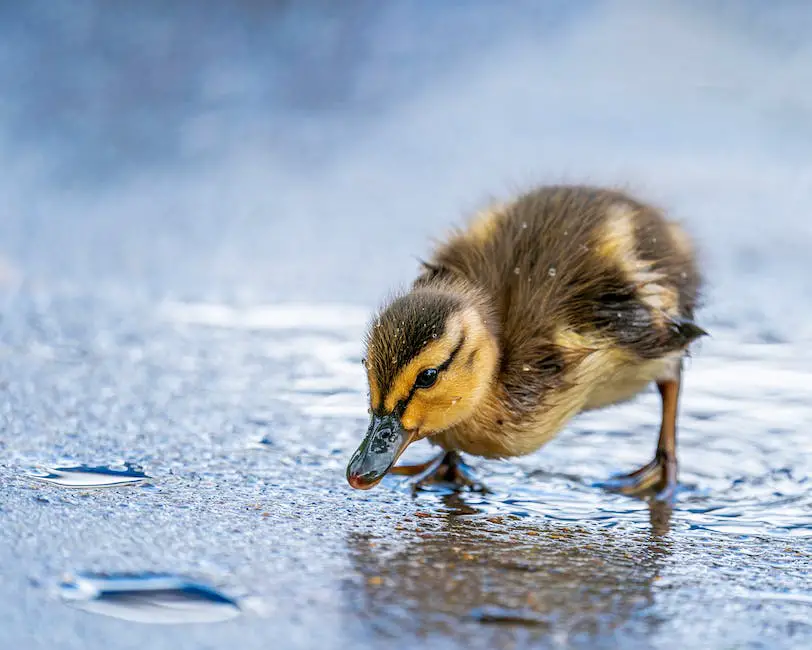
pixel 571 268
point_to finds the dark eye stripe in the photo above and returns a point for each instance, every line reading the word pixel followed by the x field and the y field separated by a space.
pixel 454 352
pixel 401 406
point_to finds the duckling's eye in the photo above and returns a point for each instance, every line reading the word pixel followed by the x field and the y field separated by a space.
pixel 426 378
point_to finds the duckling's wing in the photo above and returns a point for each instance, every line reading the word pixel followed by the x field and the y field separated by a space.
pixel 634 324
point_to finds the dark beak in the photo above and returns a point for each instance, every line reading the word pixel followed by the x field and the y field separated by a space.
pixel 384 443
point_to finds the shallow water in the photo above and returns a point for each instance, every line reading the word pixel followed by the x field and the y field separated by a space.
pixel 199 209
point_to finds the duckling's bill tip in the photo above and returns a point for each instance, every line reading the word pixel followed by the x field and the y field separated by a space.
pixel 359 482
pixel 384 443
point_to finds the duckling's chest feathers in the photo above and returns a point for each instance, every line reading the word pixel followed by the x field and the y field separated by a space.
pixel 496 431
pixel 629 381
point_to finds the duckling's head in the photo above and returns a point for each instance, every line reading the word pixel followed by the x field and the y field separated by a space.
pixel 430 361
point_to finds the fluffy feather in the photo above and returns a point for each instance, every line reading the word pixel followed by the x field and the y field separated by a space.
pixel 579 297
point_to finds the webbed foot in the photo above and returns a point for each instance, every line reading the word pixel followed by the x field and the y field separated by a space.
pixel 660 474
pixel 446 468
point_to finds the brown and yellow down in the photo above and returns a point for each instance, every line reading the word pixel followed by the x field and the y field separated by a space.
pixel 567 299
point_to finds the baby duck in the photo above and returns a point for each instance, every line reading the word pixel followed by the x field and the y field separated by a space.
pixel 564 300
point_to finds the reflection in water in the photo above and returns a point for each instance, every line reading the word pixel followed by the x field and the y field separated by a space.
pixel 467 568
pixel 148 598
pixel 87 476
pixel 660 518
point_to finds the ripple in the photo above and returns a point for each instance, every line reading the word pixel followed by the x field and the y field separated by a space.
pixel 148 598
pixel 87 476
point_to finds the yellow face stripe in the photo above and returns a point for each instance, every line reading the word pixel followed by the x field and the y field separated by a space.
pixel 374 391
pixel 467 355
pixel 431 356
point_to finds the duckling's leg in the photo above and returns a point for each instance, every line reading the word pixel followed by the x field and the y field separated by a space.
pixel 431 465
pixel 661 472
pixel 447 467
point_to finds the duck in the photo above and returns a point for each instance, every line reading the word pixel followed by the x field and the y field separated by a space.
pixel 561 300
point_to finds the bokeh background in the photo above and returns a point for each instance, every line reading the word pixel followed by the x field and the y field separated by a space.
pixel 309 150
pixel 200 204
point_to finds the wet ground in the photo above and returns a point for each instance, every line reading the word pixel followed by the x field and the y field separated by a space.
pixel 239 436
pixel 193 233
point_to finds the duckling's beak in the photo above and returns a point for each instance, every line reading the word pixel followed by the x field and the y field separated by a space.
pixel 384 443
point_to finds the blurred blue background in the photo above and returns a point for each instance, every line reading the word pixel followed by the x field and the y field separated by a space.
pixel 309 150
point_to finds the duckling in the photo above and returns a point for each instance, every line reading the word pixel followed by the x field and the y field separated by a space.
pixel 566 299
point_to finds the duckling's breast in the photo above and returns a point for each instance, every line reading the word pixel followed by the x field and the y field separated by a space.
pixel 630 380
pixel 498 432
